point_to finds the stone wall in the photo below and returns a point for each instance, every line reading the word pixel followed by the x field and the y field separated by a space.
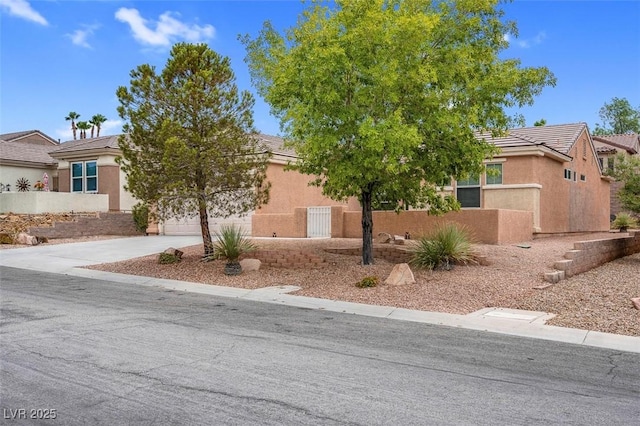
pixel 103 224
pixel 587 255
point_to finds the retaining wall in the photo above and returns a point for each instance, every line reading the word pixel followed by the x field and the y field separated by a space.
pixel 102 224
pixel 587 255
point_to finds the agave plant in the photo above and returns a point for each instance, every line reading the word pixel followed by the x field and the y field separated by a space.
pixel 230 243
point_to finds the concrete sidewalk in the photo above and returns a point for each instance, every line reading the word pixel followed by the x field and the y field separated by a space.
pixel 68 258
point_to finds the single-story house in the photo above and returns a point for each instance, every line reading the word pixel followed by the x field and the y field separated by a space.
pixel 608 147
pixel 550 172
pixel 26 155
pixel 545 180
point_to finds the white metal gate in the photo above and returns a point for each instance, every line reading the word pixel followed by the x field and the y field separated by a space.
pixel 318 222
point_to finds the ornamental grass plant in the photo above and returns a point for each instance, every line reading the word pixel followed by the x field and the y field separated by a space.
pixel 448 244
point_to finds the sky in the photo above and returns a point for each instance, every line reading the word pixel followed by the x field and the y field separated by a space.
pixel 58 56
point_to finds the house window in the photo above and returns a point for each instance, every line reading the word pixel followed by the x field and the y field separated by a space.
pixel 583 178
pixel 567 174
pixel 84 176
pixel 601 162
pixel 468 192
pixel 494 174
pixel 610 164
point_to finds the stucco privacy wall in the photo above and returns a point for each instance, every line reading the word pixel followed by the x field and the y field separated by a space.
pixel 34 202
pixel 587 255
pixel 10 174
pixel 493 226
pixel 489 226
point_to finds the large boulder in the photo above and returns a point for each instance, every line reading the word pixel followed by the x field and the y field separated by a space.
pixel 400 274
pixel 175 252
pixel 384 238
pixel 250 264
pixel 26 239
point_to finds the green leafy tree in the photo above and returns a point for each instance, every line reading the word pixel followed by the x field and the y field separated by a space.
pixel 73 116
pixel 190 147
pixel 618 117
pixel 96 122
pixel 83 126
pixel 540 123
pixel 382 99
pixel 627 170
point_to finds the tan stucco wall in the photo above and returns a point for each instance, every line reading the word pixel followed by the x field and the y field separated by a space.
pixel 488 226
pixel 127 201
pixel 35 202
pixel 290 189
pixel 109 183
pixel 564 205
pixel 10 174
pixel 514 197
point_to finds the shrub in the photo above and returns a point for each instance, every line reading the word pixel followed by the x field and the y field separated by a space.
pixel 230 243
pixel 168 258
pixel 624 221
pixel 448 244
pixel 368 282
pixel 140 214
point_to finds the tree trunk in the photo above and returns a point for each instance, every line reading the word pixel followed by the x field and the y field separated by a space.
pixel 367 227
pixel 204 228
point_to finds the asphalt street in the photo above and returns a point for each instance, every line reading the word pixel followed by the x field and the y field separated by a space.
pixel 101 352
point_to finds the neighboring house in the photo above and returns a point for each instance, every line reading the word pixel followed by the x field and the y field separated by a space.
pixel 26 155
pixel 552 172
pixel 608 147
pixel 89 166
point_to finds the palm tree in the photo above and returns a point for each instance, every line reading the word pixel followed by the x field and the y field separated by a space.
pixel 83 126
pixel 72 116
pixel 97 121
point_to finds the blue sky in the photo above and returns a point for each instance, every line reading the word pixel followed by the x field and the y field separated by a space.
pixel 58 56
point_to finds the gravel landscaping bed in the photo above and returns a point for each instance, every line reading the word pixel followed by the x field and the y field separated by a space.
pixel 597 300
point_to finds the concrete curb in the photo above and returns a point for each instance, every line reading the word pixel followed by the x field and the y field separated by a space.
pixel 512 322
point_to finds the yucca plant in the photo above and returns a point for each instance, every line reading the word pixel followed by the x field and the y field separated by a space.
pixel 623 221
pixel 230 243
pixel 448 244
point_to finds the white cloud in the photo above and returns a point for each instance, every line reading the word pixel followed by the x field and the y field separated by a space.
pixel 166 30
pixel 527 42
pixel 79 37
pixel 111 127
pixel 22 9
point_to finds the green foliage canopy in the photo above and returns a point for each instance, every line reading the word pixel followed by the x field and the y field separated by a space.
pixel 385 96
pixel 627 170
pixel 618 117
pixel 189 146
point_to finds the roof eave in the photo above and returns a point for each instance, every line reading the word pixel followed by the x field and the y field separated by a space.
pixel 538 150
pixel 76 154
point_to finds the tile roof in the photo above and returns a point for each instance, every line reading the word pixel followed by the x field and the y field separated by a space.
pixel 274 144
pixel 559 137
pixel 26 152
pixel 629 141
pixel 8 137
pixel 103 142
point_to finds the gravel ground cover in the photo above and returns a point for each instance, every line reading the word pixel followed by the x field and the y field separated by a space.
pixel 597 300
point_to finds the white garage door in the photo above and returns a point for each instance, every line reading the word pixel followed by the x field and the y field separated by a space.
pixel 191 226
